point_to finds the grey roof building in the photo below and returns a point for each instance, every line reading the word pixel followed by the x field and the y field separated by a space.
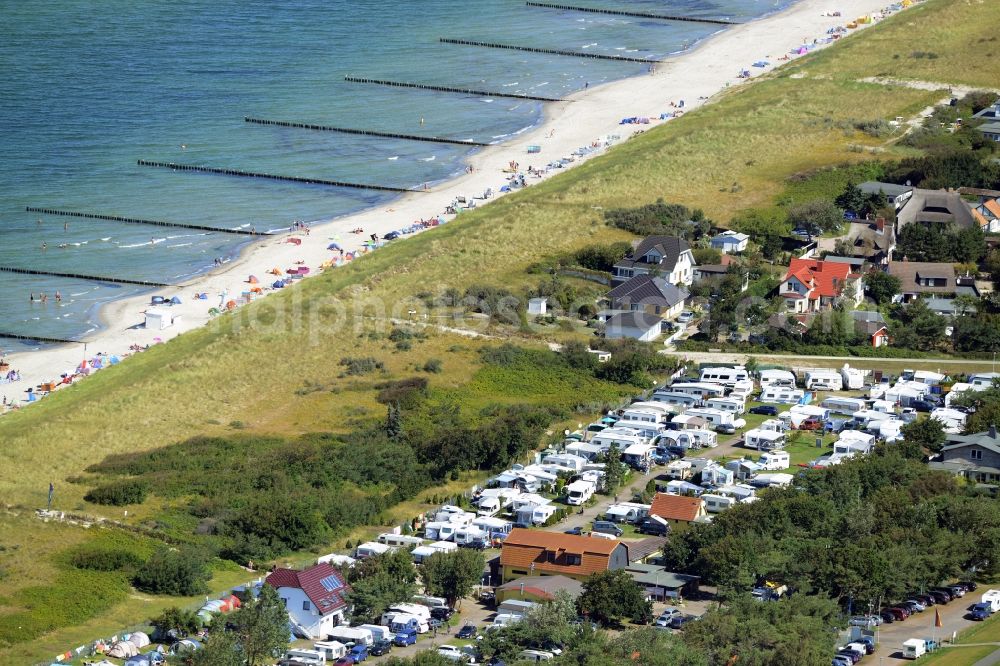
pixel 935 207
pixel 976 457
pixel 645 292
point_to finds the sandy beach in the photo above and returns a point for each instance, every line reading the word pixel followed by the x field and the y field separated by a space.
pixel 589 119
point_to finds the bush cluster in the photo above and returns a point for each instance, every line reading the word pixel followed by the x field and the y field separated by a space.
pixel 119 493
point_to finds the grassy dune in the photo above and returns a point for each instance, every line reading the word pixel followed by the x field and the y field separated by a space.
pixel 274 366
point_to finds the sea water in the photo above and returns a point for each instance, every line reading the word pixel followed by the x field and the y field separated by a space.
pixel 87 89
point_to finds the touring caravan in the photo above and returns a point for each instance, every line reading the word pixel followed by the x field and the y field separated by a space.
pixel 853 378
pixel 777 379
pixel 699 389
pixel 622 440
pixel 730 404
pixel 844 405
pixel 742 390
pixel 716 417
pixel 824 380
pixel 723 375
pixel 781 395
pixel 400 540
pixel 676 401
pixel 717 503
pixel 764 440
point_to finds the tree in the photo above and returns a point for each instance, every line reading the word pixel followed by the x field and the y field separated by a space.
pixel 852 198
pixel 393 421
pixel 577 355
pixel 175 572
pixel 379 582
pixel 175 622
pixel 261 627
pixel 545 623
pixel 453 575
pixel 928 433
pixel 609 596
pixel 220 649
pixel 614 471
pixel 881 286
pixel 818 216
pixel 917 327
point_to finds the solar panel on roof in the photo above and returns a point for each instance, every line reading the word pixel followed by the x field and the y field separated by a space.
pixel 331 583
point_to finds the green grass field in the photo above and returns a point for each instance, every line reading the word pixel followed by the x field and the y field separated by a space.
pixel 274 366
pixel 957 656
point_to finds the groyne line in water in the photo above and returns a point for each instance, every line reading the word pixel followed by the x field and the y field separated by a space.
pixel 134 220
pixel 463 91
pixel 622 12
pixel 532 49
pixel 78 276
pixel 38 338
pixel 271 176
pixel 363 132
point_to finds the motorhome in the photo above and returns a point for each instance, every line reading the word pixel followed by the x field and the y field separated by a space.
pixel 808 412
pixel 534 514
pixel 648 431
pixel 724 375
pixel 699 389
pixel 421 553
pixel 679 470
pixel 844 405
pixel 777 379
pixel 864 418
pixel 676 401
pixel 578 492
pixel 914 648
pixel 781 395
pixel 824 380
pixel 983 380
pixel 471 536
pixel 716 417
pixel 764 440
pixel 852 378
pixel 399 540
pixel 717 503
pixel 647 410
pixel 730 404
pixel 773 461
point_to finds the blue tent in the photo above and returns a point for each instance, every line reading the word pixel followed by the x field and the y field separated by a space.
pixel 333 246
pixel 176 300
pixel 278 284
pixel 157 300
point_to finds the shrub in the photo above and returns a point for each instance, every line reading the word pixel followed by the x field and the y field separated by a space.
pixel 119 493
pixel 505 355
pixel 174 572
pixel 361 366
pixel 98 558
pixel 404 392
pixel 433 365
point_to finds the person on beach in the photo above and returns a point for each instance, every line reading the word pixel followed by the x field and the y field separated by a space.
pixel 31 299
pixel 44 246
pixel 58 297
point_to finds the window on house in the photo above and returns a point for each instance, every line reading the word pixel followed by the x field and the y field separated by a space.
pixel 976 454
pixel 573 560
pixel 305 605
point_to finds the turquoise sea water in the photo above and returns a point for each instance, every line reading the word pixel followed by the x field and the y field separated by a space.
pixel 87 88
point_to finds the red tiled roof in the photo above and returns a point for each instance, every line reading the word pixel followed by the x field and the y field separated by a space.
pixel 676 507
pixel 529 550
pixel 323 584
pixel 826 277
pixel 993 206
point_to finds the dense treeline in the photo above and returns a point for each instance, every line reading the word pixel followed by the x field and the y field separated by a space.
pixel 866 531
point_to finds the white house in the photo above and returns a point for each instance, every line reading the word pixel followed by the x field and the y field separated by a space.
pixel 538 306
pixel 315 598
pixel 636 324
pixel 668 256
pixel 810 285
pixel 730 242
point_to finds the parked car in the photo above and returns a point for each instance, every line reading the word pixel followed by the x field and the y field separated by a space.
pixel 403 638
pixel 575 530
pixel 899 613
pixel 678 621
pixel 811 424
pixel 957 589
pixel 726 429
pixel 850 654
pixel 379 648
pixel 865 621
pixel 765 410
pixel 344 661
pixel 435 623
pixel 940 597
pixel 442 613
pixel 607 527
pixel 685 317
pixel 945 592
pixel 868 642
pixel 666 616
pixel 926 599
pixel 981 611
pixel 841 661
pixel 922 406
pixel 969 585
pixel 468 631
pixel 452 653
pixel 887 617
pixel 358 653
pixel 914 606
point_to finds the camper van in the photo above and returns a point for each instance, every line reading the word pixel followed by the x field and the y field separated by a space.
pixel 471 537
pixel 773 461
pixel 730 404
pixel 716 417
pixel 723 375
pixel 399 540
pixel 824 380
pixel 578 492
pixel 781 395
pixel 764 440
pixel 844 405
pixel 699 389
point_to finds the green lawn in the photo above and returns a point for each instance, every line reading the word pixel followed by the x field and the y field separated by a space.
pixel 986 632
pixel 957 656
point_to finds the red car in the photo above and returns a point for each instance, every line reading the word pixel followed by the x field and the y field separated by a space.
pixel 899 613
pixel 811 424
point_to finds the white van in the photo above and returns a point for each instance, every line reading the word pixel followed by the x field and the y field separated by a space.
pixel 578 492
pixel 914 648
pixel 773 461
pixel 723 375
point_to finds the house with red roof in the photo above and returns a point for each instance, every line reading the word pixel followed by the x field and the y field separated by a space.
pixel 316 598
pixel 810 285
pixel 678 510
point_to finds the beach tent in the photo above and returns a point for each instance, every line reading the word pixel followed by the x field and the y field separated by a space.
pixel 334 246
pixel 230 305
pixel 176 300
pixel 277 284
pixel 122 650
pixel 761 63
pixel 114 360
pixel 157 300
pixel 205 617
pixel 148 659
pixel 253 279
pixel 139 639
